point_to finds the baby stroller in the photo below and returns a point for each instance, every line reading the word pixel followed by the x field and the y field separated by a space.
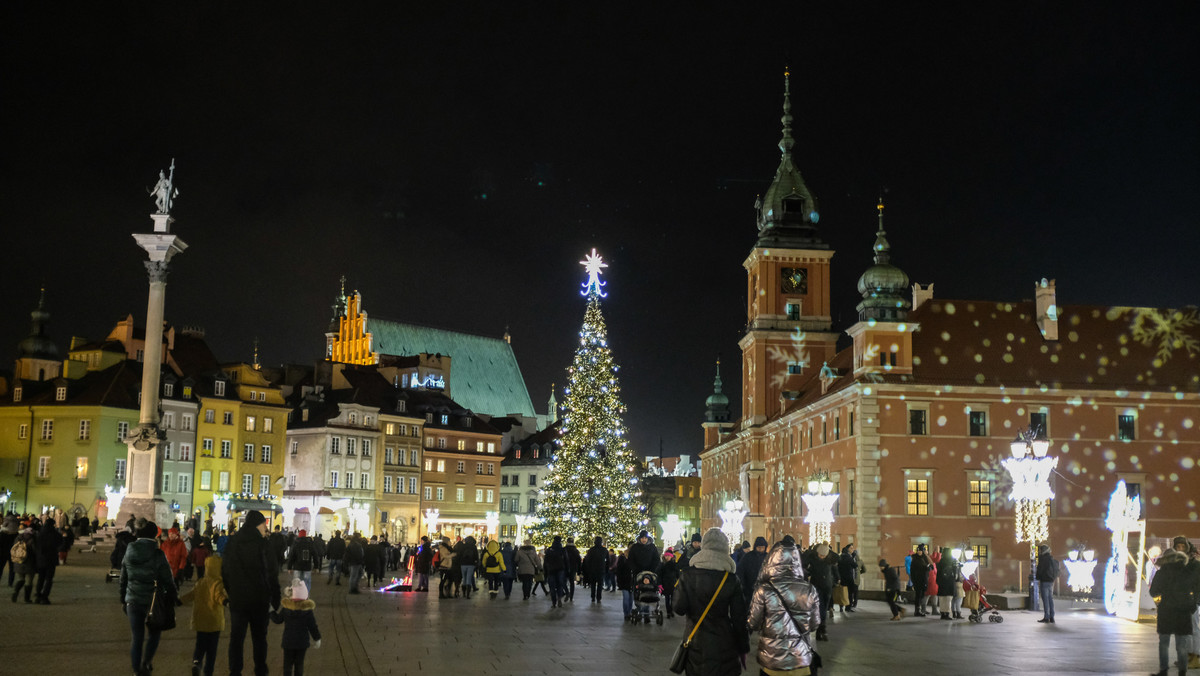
pixel 984 608
pixel 645 593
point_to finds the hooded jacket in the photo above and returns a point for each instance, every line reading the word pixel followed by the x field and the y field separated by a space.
pixel 208 613
pixel 750 565
pixel 528 561
pixel 510 560
pixel 175 551
pixel 723 635
pixel 554 559
pixel 492 555
pixel 784 610
pixel 143 565
pixel 251 571
pixel 947 574
pixel 299 623
pixel 1175 584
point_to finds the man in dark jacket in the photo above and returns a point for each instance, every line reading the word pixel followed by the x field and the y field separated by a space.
pixel 335 551
pixel 918 577
pixel 302 556
pixel 1047 572
pixel 687 551
pixel 891 588
pixel 574 561
pixel 251 573
pixel 1175 584
pixel 49 540
pixel 595 567
pixel 554 561
pixel 749 566
pixel 849 568
pixel 279 546
pixel 356 556
pixel 821 567
pixel 643 555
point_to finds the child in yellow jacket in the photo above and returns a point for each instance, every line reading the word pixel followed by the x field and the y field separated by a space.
pixel 208 615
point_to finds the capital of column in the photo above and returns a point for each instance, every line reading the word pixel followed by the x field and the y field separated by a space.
pixel 157 270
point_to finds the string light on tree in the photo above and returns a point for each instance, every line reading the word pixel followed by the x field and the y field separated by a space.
pixel 592 487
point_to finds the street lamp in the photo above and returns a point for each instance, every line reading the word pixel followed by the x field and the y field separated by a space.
pixel 524 521
pixel 1030 468
pixel 819 501
pixel 431 520
pixel 113 498
pixel 1081 562
pixel 493 522
pixel 731 521
pixel 673 529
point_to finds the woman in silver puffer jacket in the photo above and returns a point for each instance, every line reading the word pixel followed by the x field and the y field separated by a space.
pixel 785 611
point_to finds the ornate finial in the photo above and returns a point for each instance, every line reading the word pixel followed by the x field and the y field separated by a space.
pixel 879 206
pixel 785 143
pixel 343 291
pixel 593 263
pixel 165 191
pixel 42 298
pixel 257 366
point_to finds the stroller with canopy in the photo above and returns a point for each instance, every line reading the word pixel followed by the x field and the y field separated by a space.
pixel 645 593
pixel 977 595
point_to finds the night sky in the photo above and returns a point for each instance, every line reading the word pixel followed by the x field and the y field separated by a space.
pixel 456 165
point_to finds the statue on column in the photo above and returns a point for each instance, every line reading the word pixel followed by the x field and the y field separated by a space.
pixel 165 191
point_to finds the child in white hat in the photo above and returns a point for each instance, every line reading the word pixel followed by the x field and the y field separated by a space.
pixel 299 623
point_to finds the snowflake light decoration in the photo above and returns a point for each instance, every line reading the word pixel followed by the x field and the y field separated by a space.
pixel 1167 329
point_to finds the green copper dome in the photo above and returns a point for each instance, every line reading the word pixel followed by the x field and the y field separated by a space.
pixel 884 287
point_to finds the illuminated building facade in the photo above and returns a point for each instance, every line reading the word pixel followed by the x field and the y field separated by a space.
pixel 912 419
pixel 522 474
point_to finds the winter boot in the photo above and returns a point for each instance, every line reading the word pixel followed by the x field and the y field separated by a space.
pixel 945 616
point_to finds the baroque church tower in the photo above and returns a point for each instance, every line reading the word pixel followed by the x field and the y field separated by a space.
pixel 789 329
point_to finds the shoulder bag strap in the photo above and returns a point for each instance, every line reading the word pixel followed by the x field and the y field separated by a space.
pixel 785 608
pixel 710 603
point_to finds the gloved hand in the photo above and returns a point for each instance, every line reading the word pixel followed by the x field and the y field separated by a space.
pixel 317 644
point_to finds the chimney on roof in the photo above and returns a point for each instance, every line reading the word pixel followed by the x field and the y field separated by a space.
pixel 921 294
pixel 1047 309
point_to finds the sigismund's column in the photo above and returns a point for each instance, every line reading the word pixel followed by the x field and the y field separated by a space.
pixel 143 483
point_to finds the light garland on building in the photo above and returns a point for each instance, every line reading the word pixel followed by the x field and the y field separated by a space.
pixel 1124 522
pixel 731 521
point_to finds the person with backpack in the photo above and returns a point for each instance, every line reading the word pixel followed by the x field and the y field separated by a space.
pixel 23 554
pixel 301 558
pixel 1047 573
pixel 493 567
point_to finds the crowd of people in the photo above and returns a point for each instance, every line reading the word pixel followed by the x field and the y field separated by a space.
pixel 784 593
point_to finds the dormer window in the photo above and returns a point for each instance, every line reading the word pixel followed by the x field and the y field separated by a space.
pixel 60 393
pixel 401 406
pixel 187 391
pixel 429 418
pixel 169 390
pixel 466 421
pixel 445 419
pixel 219 388
pixel 535 452
pixel 517 452
pixel 17 394
pixel 353 418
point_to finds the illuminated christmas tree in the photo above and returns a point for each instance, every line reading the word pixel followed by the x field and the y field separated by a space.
pixel 593 487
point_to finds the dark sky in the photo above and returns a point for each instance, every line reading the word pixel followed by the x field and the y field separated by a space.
pixel 312 141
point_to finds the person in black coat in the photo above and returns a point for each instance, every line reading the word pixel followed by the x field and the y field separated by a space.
pixel 668 575
pixel 948 576
pixel 821 568
pixel 251 571
pixel 1047 572
pixel 594 566
pixel 749 565
pixel 299 623
pixel 849 569
pixel 891 588
pixel 1176 585
pixel 722 638
pixel 335 551
pixel 919 578
pixel 574 562
pixel 49 543
pixel 554 561
pixel 643 555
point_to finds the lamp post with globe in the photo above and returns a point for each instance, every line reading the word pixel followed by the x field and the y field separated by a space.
pixel 819 500
pixel 1030 467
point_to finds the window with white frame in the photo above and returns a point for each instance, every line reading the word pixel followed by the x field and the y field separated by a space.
pixel 219 388
pixel 186 422
pixel 167 451
pixel 458 494
pixel 441 493
pixel 349 479
pixel 412 484
pixel 251 423
pixel 247 483
pixel 333 479
pixel 264 484
pixel 43 470
pixel 491 495
pixel 351 446
pixel 248 452
pixel 491 469
pixel 167 485
pixel 119 472
pixel 223 482
pixel 366 448
pixel 266 452
pixel 227 448
pixel 183 481
pixel 491 447
pixel 23 431
pixel 169 390
pixel 85 430
pixel 918 419
pixel 335 445
pixel 429 492
pixel 60 393
pixel 387 484
pixel 169 420
pixel 292 481
pixel 226 418
pixel 441 465
pixel 294 447
pixel 478 495
pixel 441 442
pixel 47 430
pixel 268 424
pixel 206 480
pixel 209 415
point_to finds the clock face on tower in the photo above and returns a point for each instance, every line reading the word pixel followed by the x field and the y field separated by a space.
pixel 793 280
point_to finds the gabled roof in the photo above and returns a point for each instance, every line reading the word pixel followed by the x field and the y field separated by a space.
pixel 116 386
pixel 484 375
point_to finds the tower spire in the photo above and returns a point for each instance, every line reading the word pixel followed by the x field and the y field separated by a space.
pixel 786 142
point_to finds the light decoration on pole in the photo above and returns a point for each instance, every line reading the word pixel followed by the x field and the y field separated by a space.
pixel 220 513
pixel 524 521
pixel 970 565
pixel 731 521
pixel 673 529
pixel 113 497
pixel 1123 573
pixel 1030 468
pixel 592 487
pixel 819 502
pixel 492 519
pixel 431 521
pixel 1081 562
pixel 358 514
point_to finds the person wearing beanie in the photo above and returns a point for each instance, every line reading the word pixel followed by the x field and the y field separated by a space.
pixel 741 551
pixel 643 556
pixel 208 615
pixel 722 640
pixel 821 568
pixel 595 566
pixel 1047 572
pixel 891 589
pixel 750 565
pixel 144 569
pixel 251 576
pixel 689 549
pixel 574 562
pixel 299 623
pixel 668 575
pixel 302 557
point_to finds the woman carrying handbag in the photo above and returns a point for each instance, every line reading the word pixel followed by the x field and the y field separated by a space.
pixel 786 611
pixel 145 574
pixel 709 589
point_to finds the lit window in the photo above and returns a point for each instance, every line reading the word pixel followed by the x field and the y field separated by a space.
pixel 445 420
pixel 81 467
pixel 441 465
pixel 462 444
pixel 491 495
pixel 981 555
pixel 491 447
pixel 206 480
pixel 251 423
pixel 917 496
pixel 268 424
pixel 478 495
pixel 223 482
pixel 981 497
pixel 458 494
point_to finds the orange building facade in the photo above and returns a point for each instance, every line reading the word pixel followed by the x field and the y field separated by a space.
pixel 912 420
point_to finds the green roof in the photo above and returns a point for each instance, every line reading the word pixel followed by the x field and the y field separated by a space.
pixel 484 375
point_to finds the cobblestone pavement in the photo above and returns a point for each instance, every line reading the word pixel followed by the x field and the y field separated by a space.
pixel 84 632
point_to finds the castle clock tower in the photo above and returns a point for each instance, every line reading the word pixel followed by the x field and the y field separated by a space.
pixel 789 330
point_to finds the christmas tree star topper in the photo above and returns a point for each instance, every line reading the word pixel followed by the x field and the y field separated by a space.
pixel 593 264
